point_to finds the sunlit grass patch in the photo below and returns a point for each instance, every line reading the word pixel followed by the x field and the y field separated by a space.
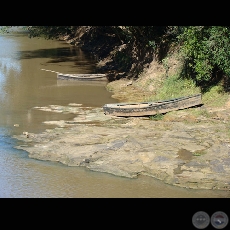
pixel 215 97
pixel 173 87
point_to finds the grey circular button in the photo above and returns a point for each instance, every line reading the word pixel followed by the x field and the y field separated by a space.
pixel 201 220
pixel 219 220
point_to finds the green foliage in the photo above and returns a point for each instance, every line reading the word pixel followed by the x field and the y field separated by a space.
pixel 50 32
pixel 206 50
pixel 123 60
pixel 4 29
pixel 152 44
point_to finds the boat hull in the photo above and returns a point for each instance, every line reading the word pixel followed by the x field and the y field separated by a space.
pixel 82 77
pixel 151 108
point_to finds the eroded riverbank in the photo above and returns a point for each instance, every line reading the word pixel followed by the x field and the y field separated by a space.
pixel 193 155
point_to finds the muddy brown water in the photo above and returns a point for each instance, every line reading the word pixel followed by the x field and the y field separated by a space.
pixel 23 85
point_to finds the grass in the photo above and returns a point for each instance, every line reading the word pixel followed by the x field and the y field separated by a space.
pixel 199 153
pixel 173 87
pixel 157 117
pixel 215 97
pixel 201 112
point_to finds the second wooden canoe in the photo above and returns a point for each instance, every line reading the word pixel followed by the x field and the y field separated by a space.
pixel 94 77
pixel 151 108
pixel 87 77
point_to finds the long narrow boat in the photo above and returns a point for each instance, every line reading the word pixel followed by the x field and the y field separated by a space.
pixel 151 108
pixel 87 77
pixel 94 77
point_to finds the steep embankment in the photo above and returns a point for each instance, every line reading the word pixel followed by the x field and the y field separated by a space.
pixel 115 57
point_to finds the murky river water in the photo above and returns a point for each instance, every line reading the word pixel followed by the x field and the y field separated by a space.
pixel 23 85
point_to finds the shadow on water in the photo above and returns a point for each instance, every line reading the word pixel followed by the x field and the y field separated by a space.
pixel 63 53
pixel 58 55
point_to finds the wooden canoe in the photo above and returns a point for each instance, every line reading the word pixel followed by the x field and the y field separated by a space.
pixel 94 77
pixel 87 77
pixel 151 108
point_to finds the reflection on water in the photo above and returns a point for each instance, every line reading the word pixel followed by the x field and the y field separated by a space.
pixel 23 86
pixel 7 65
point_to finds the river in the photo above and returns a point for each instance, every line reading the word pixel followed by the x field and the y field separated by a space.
pixel 23 85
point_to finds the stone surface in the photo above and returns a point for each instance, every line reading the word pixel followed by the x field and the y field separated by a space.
pixel 195 155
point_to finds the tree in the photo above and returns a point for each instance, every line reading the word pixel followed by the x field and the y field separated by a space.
pixel 206 51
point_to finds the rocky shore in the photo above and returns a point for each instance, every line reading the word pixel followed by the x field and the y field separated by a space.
pixel 185 151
